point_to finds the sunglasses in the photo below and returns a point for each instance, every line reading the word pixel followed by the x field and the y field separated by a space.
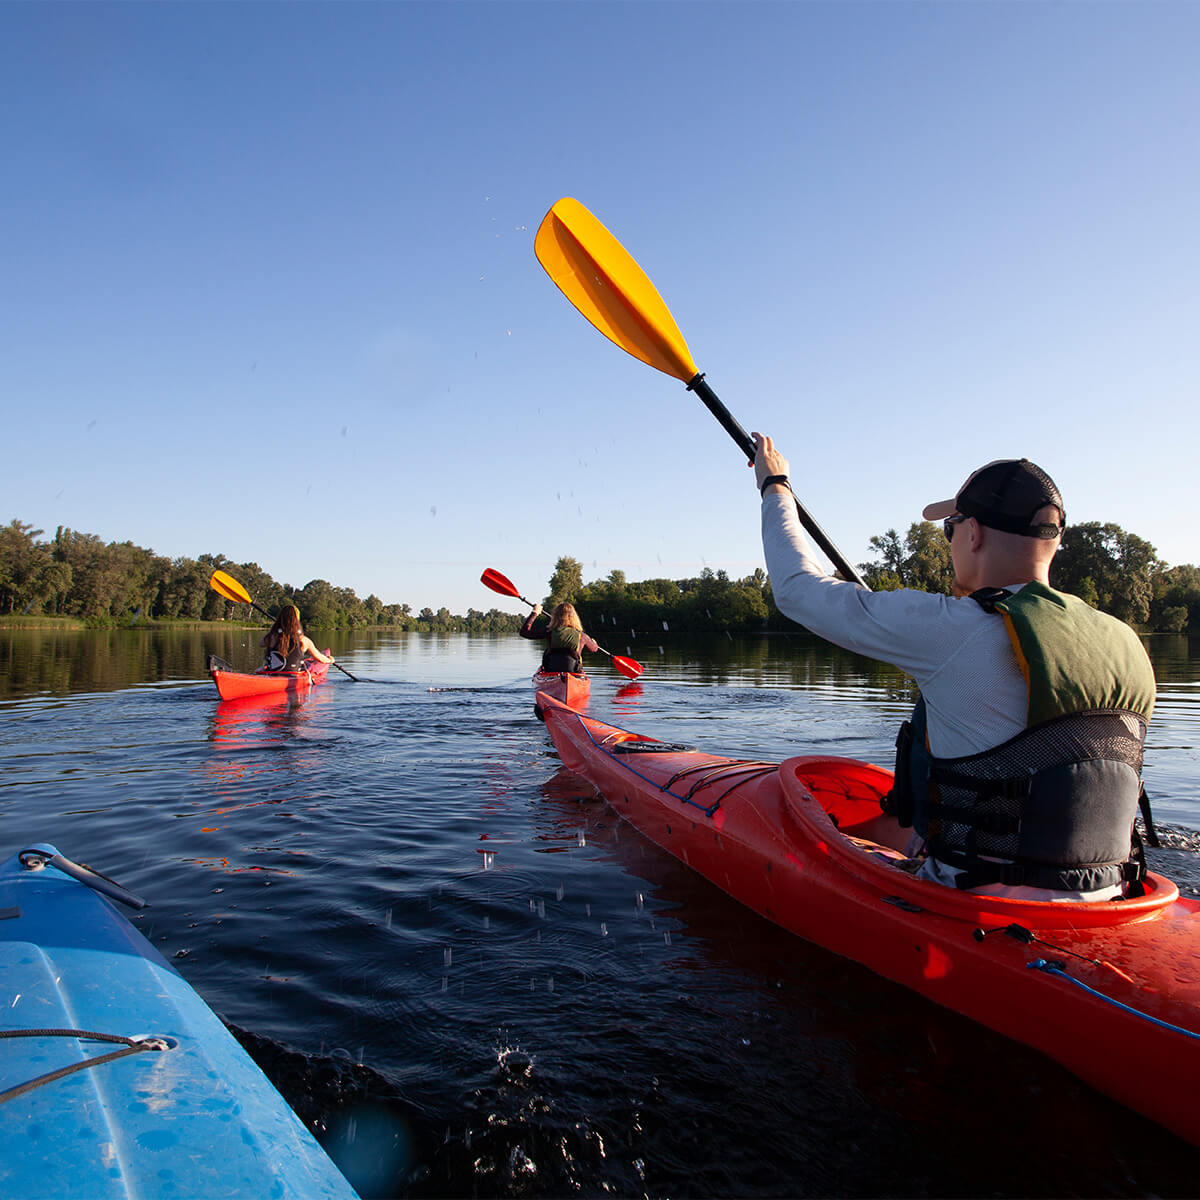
pixel 949 523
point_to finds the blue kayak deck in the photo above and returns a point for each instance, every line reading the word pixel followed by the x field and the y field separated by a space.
pixel 196 1118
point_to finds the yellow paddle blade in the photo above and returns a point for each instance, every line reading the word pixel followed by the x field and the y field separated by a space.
pixel 229 587
pixel 599 276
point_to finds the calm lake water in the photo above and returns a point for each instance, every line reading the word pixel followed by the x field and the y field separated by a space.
pixel 472 979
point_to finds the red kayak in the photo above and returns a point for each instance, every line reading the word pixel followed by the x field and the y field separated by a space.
pixel 236 685
pixel 569 687
pixel 1110 990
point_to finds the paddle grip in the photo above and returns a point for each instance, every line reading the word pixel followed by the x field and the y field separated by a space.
pixel 742 438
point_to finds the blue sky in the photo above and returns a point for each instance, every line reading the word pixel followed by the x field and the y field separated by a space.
pixel 270 291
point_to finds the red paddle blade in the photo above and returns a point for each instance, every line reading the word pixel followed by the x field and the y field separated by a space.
pixel 627 666
pixel 499 583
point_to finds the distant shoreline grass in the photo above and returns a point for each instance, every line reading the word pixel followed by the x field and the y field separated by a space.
pixel 44 621
pixel 20 621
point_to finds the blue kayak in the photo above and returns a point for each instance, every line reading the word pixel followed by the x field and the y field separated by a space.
pixel 116 1079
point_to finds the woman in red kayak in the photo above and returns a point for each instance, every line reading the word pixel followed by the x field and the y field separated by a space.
pixel 287 645
pixel 565 636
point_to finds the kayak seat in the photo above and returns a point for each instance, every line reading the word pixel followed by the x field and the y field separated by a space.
pixel 849 791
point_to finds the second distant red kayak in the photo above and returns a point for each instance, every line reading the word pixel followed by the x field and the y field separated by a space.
pixel 236 685
pixel 567 687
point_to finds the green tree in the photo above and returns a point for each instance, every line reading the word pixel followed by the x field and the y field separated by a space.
pixel 318 605
pixel 1176 591
pixel 884 573
pixel 29 576
pixel 928 565
pixel 922 561
pixel 1119 565
pixel 567 581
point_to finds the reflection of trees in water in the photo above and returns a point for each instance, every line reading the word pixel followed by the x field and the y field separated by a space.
pixel 61 661
pixel 1175 657
pixel 797 659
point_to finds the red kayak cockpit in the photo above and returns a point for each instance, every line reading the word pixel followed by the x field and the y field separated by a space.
pixel 836 802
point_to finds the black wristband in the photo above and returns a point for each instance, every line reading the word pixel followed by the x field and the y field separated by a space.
pixel 770 479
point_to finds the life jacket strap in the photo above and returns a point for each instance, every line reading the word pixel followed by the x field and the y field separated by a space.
pixel 1148 817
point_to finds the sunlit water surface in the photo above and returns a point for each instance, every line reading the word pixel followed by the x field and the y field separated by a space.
pixel 471 978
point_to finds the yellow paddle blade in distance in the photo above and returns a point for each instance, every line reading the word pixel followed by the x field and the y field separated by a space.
pixel 229 587
pixel 599 276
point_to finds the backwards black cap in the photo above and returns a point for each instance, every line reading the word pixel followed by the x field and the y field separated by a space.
pixel 1006 495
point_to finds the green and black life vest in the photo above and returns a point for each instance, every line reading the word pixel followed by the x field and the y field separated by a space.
pixel 564 651
pixel 1055 804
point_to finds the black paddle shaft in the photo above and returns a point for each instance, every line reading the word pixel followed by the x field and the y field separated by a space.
pixel 742 438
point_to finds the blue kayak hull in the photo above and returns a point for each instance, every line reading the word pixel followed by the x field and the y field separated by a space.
pixel 196 1118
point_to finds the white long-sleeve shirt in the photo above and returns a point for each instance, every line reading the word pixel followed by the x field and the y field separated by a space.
pixel 960 656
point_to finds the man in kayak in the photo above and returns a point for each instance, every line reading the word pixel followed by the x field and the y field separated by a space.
pixel 287 645
pixel 565 636
pixel 1020 769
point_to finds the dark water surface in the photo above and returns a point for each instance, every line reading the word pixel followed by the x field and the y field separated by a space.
pixel 472 978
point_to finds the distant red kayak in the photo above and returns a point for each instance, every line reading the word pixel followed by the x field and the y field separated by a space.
pixel 567 687
pixel 806 844
pixel 236 685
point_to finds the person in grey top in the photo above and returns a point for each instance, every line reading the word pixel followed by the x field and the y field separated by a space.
pixel 1004 525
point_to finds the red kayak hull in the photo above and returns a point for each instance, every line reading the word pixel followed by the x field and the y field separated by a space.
pixel 1109 990
pixel 568 687
pixel 237 685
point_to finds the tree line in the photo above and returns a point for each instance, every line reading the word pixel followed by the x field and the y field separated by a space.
pixel 1113 570
pixel 115 583
pixel 710 601
pixel 78 575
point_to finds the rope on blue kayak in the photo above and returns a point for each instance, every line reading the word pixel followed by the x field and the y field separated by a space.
pixel 132 1045
pixel 1054 968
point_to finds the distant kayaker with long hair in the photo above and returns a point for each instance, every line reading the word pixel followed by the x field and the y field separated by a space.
pixel 287 645
pixel 565 636
pixel 1021 766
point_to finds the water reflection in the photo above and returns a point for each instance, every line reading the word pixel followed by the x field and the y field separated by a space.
pixel 246 768
pixel 261 720
pixel 61 661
